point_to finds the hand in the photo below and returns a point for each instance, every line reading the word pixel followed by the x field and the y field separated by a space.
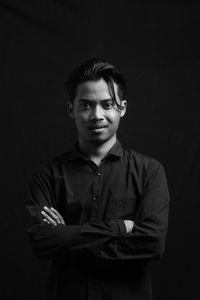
pixel 129 225
pixel 52 216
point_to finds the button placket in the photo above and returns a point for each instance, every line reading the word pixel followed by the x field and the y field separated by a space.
pixel 96 194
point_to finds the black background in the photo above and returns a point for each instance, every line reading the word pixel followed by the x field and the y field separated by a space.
pixel 156 45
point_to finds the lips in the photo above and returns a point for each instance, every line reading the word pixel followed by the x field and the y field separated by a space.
pixel 100 126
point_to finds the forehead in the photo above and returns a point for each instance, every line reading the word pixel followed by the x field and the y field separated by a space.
pixel 94 90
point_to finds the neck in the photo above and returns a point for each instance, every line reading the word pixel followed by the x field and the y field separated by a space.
pixel 96 151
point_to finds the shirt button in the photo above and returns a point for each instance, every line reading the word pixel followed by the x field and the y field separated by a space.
pixel 94 198
pixel 98 173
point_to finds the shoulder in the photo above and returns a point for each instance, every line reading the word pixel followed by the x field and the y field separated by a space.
pixel 145 165
pixel 149 171
pixel 140 159
pixel 53 167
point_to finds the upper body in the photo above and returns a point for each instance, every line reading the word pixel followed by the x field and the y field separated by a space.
pixel 100 211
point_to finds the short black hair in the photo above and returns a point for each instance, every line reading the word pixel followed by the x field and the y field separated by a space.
pixel 95 69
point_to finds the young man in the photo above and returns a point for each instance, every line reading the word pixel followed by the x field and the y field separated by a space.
pixel 99 211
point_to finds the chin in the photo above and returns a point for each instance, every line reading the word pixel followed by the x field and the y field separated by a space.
pixel 98 140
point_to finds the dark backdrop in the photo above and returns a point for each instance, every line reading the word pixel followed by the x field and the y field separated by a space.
pixel 156 45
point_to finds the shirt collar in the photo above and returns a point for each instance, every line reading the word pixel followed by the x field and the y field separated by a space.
pixel 115 151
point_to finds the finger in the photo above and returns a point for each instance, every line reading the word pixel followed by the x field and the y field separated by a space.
pixel 48 218
pixel 59 215
pixel 55 211
pixel 60 218
pixel 52 215
pixel 46 221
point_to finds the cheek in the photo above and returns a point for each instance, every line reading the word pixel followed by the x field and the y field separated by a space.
pixel 80 116
pixel 114 117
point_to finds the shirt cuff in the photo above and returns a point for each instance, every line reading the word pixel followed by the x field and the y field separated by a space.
pixel 121 226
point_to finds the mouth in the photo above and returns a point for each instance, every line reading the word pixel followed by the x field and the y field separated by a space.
pixel 97 127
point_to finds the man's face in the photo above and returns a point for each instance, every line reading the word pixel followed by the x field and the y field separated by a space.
pixel 95 112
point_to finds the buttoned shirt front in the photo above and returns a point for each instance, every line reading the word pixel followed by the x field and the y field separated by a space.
pixel 92 255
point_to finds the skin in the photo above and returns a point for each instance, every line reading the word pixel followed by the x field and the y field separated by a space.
pixel 97 119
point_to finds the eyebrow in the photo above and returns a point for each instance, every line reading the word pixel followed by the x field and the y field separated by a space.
pixel 88 100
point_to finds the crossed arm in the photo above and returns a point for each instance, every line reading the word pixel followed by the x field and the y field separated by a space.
pixel 52 216
pixel 113 239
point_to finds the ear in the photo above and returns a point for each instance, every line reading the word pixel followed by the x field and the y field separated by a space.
pixel 123 110
pixel 70 109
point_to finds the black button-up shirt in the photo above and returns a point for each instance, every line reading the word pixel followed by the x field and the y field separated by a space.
pixel 92 255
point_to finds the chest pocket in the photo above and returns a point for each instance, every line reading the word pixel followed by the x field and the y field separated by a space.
pixel 122 208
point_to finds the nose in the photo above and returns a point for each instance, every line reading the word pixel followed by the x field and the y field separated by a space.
pixel 97 113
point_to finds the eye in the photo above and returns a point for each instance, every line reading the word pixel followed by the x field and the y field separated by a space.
pixel 85 106
pixel 108 104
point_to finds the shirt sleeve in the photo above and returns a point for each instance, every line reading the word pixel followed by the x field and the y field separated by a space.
pixel 49 241
pixel 148 237
pixel 106 239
